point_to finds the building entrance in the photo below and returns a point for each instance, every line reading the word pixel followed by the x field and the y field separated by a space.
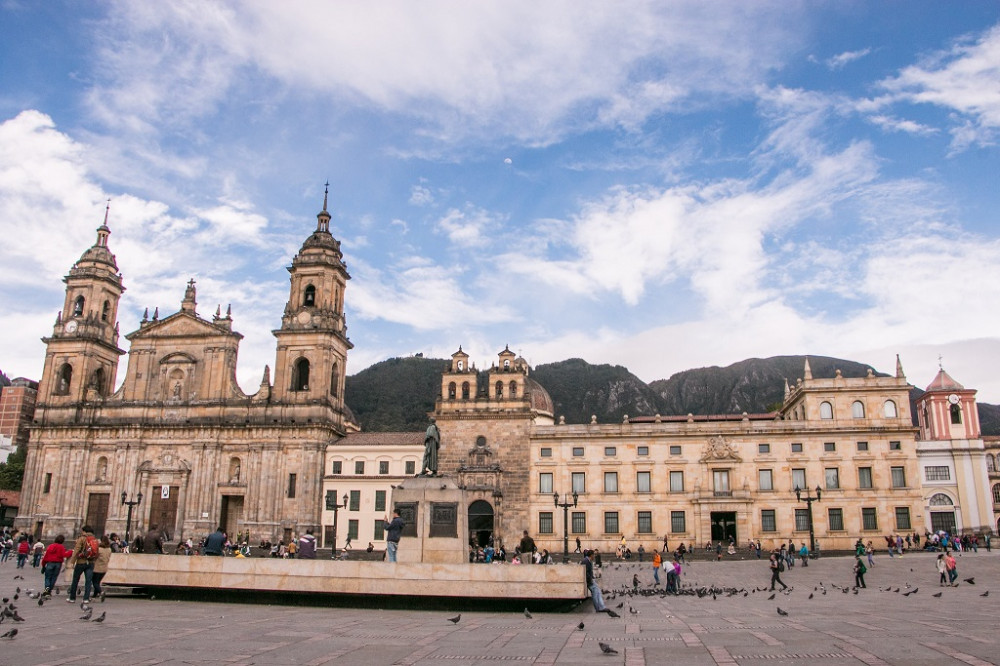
pixel 480 522
pixel 97 512
pixel 724 526
pixel 232 515
pixel 163 510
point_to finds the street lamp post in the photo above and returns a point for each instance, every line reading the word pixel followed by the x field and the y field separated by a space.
pixel 128 518
pixel 808 499
pixel 332 505
pixel 565 507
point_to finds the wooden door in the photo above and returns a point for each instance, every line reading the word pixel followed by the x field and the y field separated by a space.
pixel 163 510
pixel 97 512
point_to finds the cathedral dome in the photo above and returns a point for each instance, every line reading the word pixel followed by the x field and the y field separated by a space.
pixel 540 399
pixel 99 252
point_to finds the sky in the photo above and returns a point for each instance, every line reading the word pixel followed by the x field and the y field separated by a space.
pixel 658 185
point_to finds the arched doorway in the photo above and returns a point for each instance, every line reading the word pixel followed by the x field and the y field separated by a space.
pixel 480 522
pixel 942 514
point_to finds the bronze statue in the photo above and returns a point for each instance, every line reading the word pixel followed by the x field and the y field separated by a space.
pixel 432 442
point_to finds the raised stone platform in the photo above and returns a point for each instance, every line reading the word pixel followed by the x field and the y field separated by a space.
pixel 553 584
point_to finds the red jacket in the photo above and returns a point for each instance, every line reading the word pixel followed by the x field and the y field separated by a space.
pixel 56 553
pixel 23 548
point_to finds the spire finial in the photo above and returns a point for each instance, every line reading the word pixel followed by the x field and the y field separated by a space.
pixel 940 364
pixel 107 210
pixel 807 371
pixel 899 368
pixel 326 192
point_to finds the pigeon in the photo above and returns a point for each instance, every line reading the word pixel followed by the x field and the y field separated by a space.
pixel 856 591
pixel 18 577
pixel 781 612
pixel 100 618
pixel 607 649
pixel 580 626
pixel 17 618
pixel 620 605
pixel 810 595
pixel 611 613
pixel 85 606
pixel 970 581
pixel 454 620
pixel 527 613
pixel 18 594
pixel 937 595
pixel 41 600
pixel 913 591
pixel 633 611
pixel 985 594
pixel 87 615
pixel 10 634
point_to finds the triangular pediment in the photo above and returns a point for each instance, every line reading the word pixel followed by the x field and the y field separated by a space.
pixel 179 325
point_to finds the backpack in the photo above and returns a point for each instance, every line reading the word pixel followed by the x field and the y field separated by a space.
pixel 90 548
pixel 781 566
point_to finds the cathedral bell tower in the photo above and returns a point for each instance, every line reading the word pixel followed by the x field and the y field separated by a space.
pixel 81 357
pixel 312 340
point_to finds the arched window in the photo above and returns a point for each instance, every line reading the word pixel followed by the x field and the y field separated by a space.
pixel 506 364
pixel 309 296
pixel 996 493
pixel 857 409
pixel 64 379
pixel 889 410
pixel 102 469
pixel 300 375
pixel 334 378
pixel 105 311
pixel 825 410
pixel 940 499
pixel 451 391
pixel 78 306
pixel 512 389
pixel 461 366
pixel 97 381
pixel 499 390
pixel 465 390
pixel 956 414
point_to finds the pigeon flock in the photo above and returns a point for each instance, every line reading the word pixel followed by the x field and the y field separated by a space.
pixel 10 611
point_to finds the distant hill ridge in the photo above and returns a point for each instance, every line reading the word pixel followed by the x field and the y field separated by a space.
pixel 397 394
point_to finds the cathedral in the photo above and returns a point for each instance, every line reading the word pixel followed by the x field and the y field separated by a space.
pixel 180 447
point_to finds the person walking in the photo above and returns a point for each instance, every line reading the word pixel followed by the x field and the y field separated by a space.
pixel 55 555
pixel 777 565
pixel 307 546
pixel 85 553
pixel 942 569
pixel 859 572
pixel 101 565
pixel 36 553
pixel 393 530
pixel 577 545
pixel 595 589
pixel 804 554
pixel 952 566
pixel 657 562
pixel 214 543
pixel 870 551
pixel 527 546
pixel 23 548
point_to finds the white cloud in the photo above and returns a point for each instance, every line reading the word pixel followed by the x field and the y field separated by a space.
pixel 893 124
pixel 963 80
pixel 421 196
pixel 470 227
pixel 840 60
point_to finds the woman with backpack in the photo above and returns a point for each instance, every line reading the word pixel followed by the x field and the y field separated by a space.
pixel 101 565
pixel 85 553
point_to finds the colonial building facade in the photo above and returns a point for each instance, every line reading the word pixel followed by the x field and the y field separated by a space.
pixel 287 458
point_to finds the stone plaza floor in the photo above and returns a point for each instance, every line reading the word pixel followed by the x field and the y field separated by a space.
pixel 871 627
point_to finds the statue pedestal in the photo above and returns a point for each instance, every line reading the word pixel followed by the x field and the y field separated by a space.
pixel 437 521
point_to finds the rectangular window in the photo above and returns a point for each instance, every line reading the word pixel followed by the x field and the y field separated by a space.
pixel 903 518
pixel 829 447
pixel 611 522
pixel 862 446
pixel 763 448
pixel 383 466
pixel 47 486
pixel 796 447
pixel 380 500
pixel 545 482
pixel 411 467
pixel 864 477
pixel 675 450
pixel 611 482
pixel 767 521
pixel 898 477
pixel 938 473
pixel 720 480
pixel 546 452
pixel 610 450
pixel 869 519
pixel 642 451
pixel 352 529
pixel 836 519
pixel 579 482
pixel 798 479
pixel 291 486
pixel 645 522
pixel 677 482
pixel 359 466
pixel 577 451
pixel 355 502
pixel 578 520
pixel 642 484
pixel 545 522
pixel 678 525
pixel 379 529
pixel 765 479
pixel 801 520
pixel 832 475
pixel 895 446
pixel 338 467
pixel 943 521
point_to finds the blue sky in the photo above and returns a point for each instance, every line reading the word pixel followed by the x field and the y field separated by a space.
pixel 657 185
